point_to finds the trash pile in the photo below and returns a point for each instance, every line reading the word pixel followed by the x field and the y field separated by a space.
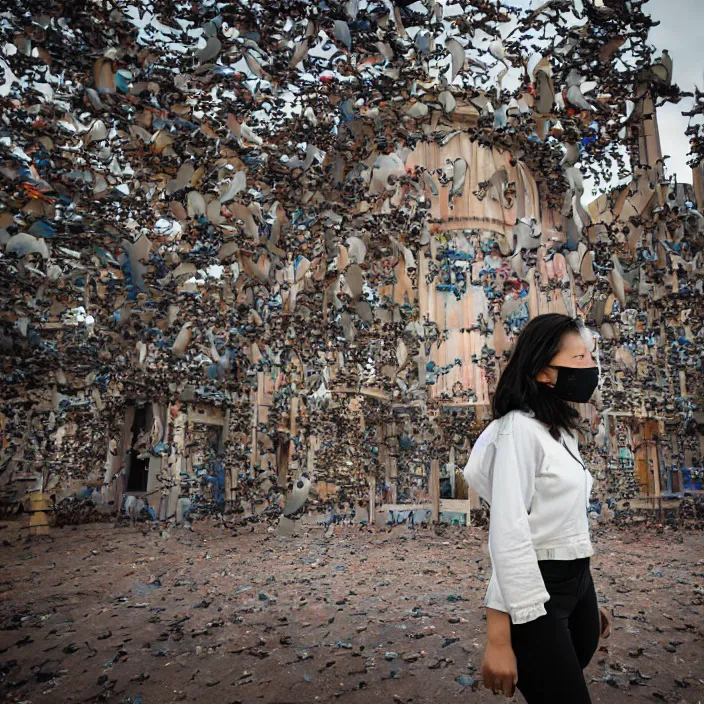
pixel 327 222
pixel 73 511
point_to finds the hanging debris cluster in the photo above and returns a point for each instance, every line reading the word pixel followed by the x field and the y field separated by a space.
pixel 252 247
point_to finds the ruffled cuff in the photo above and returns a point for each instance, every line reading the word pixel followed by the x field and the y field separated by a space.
pixel 527 613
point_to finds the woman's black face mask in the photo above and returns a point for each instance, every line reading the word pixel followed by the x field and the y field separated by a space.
pixel 575 384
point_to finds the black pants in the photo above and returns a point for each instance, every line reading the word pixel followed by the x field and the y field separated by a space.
pixel 552 650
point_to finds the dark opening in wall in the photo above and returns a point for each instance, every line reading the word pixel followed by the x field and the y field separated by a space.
pixel 137 467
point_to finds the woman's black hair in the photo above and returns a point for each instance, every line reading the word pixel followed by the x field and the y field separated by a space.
pixel 517 390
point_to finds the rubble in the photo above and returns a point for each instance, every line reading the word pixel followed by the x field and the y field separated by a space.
pixel 110 614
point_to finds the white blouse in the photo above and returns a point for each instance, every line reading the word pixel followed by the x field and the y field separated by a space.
pixel 539 494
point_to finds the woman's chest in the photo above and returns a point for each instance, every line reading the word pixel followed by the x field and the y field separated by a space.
pixel 563 475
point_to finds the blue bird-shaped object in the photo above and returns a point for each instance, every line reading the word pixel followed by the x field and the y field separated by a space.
pixel 42 228
pixel 106 257
pixel 122 80
pixel 348 111
pixel 41 159
pixel 224 71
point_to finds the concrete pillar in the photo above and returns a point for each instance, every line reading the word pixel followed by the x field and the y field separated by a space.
pixel 393 478
pixel 372 499
pixel 176 461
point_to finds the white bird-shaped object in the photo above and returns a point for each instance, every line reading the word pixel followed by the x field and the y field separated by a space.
pixel 459 175
pixel 498 50
pixel 386 166
pixel 448 102
pixel 304 164
pixel 183 339
pixel 542 78
pixel 617 281
pixel 237 184
pixel 573 92
pixel 526 234
pixel 254 66
pixel 662 68
pixel 22 244
pixel 341 30
pixel 430 184
pixel 458 56
pixel 355 280
pixel 497 182
pixel 357 249
pixel 300 52
pixel 601 7
pixel 571 156
pixel 600 437
pixel 298 496
pixel 141 352
pixel 309 116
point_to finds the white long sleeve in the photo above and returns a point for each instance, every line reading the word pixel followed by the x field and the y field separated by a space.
pixel 538 494
pixel 514 458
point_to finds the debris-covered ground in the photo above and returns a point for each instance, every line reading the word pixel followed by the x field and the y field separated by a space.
pixel 95 613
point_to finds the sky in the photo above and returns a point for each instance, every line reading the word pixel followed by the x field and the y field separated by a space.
pixel 680 31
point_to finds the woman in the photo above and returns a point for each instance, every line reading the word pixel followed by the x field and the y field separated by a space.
pixel 543 622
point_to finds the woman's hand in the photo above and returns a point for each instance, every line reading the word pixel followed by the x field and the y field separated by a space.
pixel 499 671
pixel 605 623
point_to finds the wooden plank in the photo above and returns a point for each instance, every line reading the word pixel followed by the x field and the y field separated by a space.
pixel 455 506
pixel 459 404
pixel 294 415
pixel 205 415
pixel 364 391
pixel 254 451
pixel 435 489
pixel 651 432
pixel 38 523
pixel 473 498
pixel 282 461
pixel 310 456
pixel 405 507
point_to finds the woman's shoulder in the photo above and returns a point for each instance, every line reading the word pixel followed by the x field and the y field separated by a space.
pixel 518 428
pixel 519 421
pixel 513 422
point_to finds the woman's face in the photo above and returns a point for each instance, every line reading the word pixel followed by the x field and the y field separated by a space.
pixel 574 353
